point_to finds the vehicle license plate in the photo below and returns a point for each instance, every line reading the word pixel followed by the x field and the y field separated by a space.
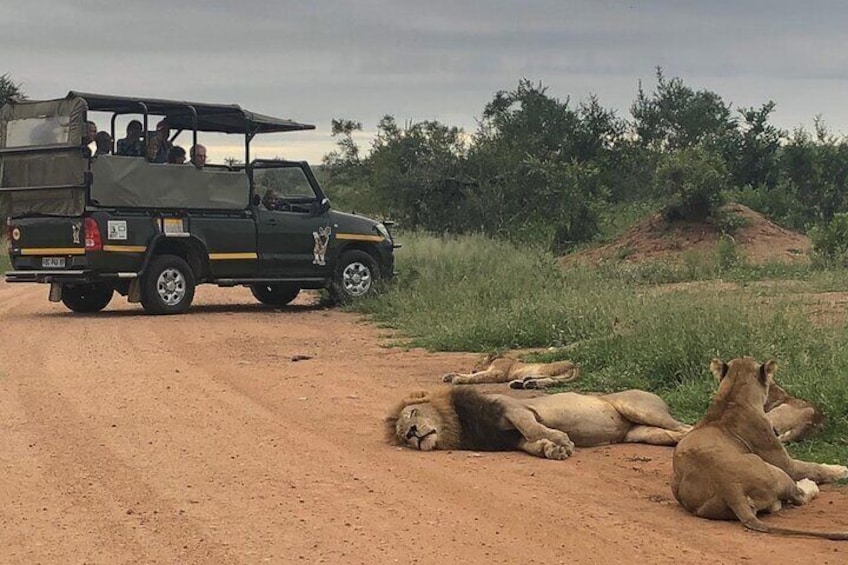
pixel 53 262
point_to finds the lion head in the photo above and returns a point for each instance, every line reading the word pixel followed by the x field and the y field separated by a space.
pixel 484 362
pixel 744 379
pixel 424 421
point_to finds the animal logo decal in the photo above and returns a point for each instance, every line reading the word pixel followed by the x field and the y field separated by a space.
pixel 322 240
pixel 75 232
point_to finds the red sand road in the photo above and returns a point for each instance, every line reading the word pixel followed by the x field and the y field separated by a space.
pixel 126 438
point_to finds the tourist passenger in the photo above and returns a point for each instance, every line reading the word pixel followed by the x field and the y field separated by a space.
pixel 104 143
pixel 89 136
pixel 198 155
pixel 176 155
pixel 163 144
pixel 133 144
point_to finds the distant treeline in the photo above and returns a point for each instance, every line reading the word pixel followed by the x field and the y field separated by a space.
pixel 542 169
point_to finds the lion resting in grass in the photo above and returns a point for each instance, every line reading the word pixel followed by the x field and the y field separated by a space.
pixel 793 419
pixel 548 426
pixel 501 369
pixel 731 465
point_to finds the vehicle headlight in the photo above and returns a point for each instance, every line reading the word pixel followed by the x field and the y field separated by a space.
pixel 382 230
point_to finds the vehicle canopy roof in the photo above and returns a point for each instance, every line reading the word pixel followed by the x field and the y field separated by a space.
pixel 43 164
pixel 224 118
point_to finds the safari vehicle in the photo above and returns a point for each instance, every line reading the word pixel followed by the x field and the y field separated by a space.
pixel 90 226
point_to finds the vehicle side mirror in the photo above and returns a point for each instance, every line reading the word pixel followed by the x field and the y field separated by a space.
pixel 321 207
pixel 257 200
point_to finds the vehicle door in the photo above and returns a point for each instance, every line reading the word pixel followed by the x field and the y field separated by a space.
pixel 293 227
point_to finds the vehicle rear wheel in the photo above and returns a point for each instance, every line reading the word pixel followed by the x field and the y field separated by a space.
pixel 167 286
pixel 87 298
pixel 356 275
pixel 274 294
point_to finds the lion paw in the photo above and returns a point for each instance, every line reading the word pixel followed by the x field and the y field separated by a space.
pixel 558 452
pixel 449 377
pixel 516 384
pixel 809 489
pixel 837 472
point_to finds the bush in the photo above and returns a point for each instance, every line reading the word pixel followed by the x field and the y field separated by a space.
pixel 830 241
pixel 692 182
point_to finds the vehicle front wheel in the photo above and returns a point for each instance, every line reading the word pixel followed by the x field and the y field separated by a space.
pixel 274 294
pixel 167 286
pixel 356 275
pixel 87 298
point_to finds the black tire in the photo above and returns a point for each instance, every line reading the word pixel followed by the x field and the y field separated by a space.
pixel 356 275
pixel 87 298
pixel 274 294
pixel 167 286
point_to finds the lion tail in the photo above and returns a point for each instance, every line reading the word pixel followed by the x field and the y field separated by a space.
pixel 757 525
pixel 565 371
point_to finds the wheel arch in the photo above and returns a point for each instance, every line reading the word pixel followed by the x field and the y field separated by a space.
pixel 191 250
pixel 362 246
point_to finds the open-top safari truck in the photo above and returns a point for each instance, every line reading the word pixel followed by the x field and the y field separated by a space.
pixel 92 225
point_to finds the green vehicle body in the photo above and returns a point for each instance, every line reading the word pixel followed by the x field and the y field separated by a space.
pixel 94 226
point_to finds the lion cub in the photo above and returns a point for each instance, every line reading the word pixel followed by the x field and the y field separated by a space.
pixel 733 465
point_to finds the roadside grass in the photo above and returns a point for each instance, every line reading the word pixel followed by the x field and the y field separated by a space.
pixel 475 294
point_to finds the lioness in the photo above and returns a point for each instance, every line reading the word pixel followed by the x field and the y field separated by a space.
pixel 501 369
pixel 732 465
pixel 547 426
pixel 792 418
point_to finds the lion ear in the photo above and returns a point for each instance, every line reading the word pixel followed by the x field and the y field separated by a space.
pixel 767 371
pixel 718 368
pixel 415 396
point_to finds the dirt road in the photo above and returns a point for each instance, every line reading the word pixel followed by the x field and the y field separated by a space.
pixel 126 438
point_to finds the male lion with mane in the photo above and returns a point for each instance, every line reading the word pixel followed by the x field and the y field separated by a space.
pixel 547 426
pixel 732 465
pixel 502 369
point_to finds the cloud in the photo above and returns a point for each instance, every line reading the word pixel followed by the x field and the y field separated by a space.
pixel 436 60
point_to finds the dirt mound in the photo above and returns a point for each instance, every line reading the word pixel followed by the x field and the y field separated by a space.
pixel 759 240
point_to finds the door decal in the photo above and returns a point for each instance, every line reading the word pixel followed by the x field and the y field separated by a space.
pixel 322 240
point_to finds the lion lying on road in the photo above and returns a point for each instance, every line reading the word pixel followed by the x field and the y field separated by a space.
pixel 732 465
pixel 501 369
pixel 547 426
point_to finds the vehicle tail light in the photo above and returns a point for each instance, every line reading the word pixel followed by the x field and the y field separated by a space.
pixel 92 235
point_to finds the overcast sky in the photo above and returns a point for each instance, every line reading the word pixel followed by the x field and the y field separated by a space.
pixel 315 60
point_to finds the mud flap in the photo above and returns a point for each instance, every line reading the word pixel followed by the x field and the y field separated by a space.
pixel 134 293
pixel 55 294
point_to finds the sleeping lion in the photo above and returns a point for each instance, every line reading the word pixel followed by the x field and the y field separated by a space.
pixel 547 426
pixel 732 465
pixel 495 368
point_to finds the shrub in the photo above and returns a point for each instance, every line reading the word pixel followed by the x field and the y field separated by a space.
pixel 691 181
pixel 830 241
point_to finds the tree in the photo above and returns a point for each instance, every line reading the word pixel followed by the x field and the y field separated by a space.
pixel 417 172
pixel 536 164
pixel 675 116
pixel 9 89
pixel 753 158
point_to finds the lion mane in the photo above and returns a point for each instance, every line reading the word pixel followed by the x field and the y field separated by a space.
pixel 469 420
